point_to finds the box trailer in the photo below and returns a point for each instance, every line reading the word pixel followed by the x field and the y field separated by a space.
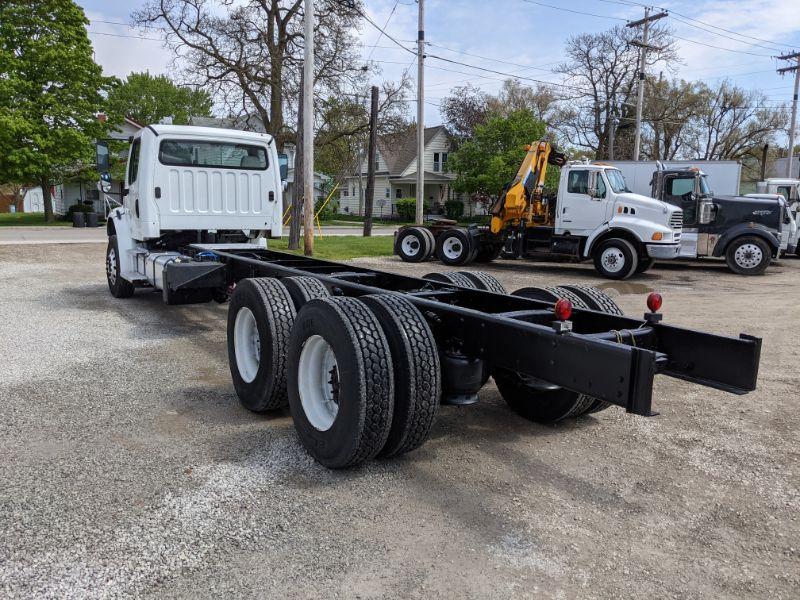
pixel 723 176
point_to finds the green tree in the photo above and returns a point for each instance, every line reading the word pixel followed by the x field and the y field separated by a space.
pixel 50 93
pixel 488 161
pixel 149 98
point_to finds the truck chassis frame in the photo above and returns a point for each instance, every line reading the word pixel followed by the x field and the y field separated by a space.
pixel 610 357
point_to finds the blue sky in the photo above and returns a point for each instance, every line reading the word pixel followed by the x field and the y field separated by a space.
pixel 521 32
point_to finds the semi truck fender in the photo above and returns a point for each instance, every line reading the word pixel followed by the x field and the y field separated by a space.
pixel 119 224
pixel 608 230
pixel 753 229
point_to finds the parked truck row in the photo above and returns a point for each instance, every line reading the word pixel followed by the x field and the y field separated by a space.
pixel 364 358
pixel 623 228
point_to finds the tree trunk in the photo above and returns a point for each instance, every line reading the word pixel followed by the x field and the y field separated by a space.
pixel 48 201
pixel 297 201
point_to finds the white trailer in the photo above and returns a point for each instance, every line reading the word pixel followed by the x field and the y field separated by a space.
pixel 723 176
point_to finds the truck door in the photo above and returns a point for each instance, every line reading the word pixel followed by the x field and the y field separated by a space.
pixel 578 212
pixel 680 192
pixel 131 200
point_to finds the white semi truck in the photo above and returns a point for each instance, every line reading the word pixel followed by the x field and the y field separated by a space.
pixel 363 358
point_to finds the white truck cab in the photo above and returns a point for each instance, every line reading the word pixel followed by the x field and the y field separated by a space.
pixel 185 185
pixel 593 200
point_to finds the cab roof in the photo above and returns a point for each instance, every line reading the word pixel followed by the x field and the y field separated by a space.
pixel 208 132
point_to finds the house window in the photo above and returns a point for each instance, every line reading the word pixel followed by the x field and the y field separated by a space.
pixel 444 162
pixel 436 164
pixel 388 193
pixel 345 192
pixel 398 193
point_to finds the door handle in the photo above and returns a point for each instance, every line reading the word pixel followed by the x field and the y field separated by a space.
pixel 158 193
pixel 271 197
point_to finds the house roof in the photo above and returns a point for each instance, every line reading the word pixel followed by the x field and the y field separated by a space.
pixel 399 149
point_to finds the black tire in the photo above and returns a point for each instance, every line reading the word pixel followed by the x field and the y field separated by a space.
pixel 417 372
pixel 488 252
pixel 537 293
pixel 551 294
pixel 595 298
pixel 119 287
pixel 431 239
pixel 413 245
pixel 535 404
pixel 303 288
pixel 362 383
pixel 748 255
pixel 622 257
pixel 270 304
pixel 644 264
pixel 455 247
pixel 454 277
pixel 484 281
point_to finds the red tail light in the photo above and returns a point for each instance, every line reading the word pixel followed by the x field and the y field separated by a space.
pixel 654 301
pixel 563 309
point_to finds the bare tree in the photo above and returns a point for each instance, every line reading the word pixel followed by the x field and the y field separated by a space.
pixel 539 100
pixel 248 53
pixel 600 82
pixel 465 108
pixel 669 110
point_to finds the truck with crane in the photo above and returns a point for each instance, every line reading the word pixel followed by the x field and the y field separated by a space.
pixel 363 358
pixel 593 216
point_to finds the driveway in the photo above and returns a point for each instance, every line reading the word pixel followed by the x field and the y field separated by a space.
pixel 129 469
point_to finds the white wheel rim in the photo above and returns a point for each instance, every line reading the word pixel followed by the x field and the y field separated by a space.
pixel 613 259
pixel 748 256
pixel 452 248
pixel 410 245
pixel 246 344
pixel 111 266
pixel 318 382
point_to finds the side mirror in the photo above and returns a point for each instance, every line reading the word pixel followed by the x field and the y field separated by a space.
pixel 283 162
pixel 105 182
pixel 102 157
pixel 706 211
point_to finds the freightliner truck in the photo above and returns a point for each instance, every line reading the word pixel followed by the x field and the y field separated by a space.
pixel 364 358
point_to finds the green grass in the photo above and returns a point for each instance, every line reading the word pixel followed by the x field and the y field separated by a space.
pixel 343 247
pixel 356 220
pixel 15 219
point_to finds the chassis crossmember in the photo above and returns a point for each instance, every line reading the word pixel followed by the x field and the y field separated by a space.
pixel 610 357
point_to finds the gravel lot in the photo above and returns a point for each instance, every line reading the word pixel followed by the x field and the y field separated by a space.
pixel 129 469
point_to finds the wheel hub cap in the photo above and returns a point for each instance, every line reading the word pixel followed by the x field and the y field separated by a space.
pixel 318 382
pixel 246 344
pixel 410 245
pixel 748 256
pixel 452 248
pixel 613 260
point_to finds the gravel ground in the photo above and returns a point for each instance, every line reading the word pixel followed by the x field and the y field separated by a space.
pixel 129 469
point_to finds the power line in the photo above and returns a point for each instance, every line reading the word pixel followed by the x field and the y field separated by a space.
pixel 389 18
pixel 577 12
pixel 122 35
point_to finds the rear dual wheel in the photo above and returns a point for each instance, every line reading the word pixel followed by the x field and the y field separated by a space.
pixel 361 378
pixel 540 401
pixel 415 244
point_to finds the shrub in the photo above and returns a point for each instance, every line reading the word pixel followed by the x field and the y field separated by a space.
pixel 454 209
pixel 84 208
pixel 331 208
pixel 407 208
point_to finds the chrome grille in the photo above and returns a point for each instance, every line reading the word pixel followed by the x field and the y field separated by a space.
pixel 676 224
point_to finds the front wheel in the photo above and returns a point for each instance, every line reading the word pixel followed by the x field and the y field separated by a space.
pixel 748 255
pixel 616 259
pixel 119 287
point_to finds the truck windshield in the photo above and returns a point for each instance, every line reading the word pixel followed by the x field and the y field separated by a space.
pixel 220 155
pixel 616 181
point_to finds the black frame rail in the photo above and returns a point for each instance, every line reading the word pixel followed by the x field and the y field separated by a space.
pixel 613 358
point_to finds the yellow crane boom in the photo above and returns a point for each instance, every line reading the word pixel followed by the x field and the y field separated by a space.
pixel 522 199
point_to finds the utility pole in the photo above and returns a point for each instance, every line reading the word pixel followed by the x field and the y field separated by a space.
pixel 296 210
pixel 308 130
pixel 420 114
pixel 371 151
pixel 612 134
pixel 643 48
pixel 793 126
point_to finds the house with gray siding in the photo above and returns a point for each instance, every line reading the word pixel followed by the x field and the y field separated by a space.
pixel 396 173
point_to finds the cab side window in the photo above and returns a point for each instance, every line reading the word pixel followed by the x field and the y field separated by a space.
pixel 679 191
pixel 601 186
pixel 578 182
pixel 133 165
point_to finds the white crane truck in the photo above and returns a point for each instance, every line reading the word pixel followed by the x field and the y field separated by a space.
pixel 363 358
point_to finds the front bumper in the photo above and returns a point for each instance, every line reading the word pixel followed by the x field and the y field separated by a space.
pixel 663 251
